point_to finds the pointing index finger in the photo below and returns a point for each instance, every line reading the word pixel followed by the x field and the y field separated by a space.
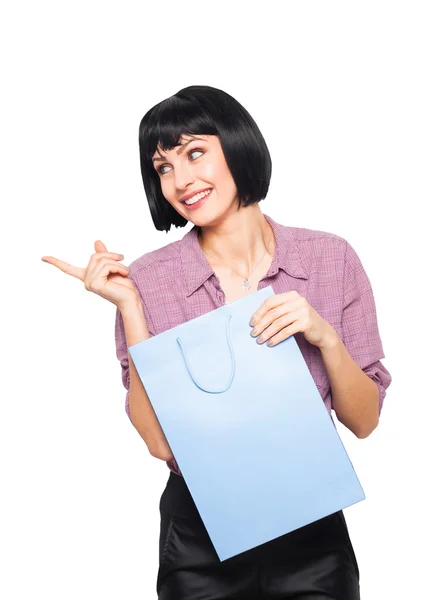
pixel 77 272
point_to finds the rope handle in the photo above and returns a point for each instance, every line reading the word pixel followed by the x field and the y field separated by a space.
pixel 233 363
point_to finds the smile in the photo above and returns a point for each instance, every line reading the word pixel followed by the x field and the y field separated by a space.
pixel 197 197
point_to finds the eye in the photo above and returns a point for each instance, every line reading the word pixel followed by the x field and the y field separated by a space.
pixel 159 169
pixel 193 151
pixel 161 172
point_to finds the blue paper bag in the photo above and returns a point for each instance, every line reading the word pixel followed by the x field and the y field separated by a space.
pixel 247 426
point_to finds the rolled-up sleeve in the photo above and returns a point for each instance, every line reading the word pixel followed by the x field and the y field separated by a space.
pixel 122 355
pixel 359 323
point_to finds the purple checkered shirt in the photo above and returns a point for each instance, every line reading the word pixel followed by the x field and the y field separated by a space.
pixel 176 284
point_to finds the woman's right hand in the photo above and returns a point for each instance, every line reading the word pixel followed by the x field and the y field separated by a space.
pixel 104 275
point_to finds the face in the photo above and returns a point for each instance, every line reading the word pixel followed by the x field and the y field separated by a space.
pixel 198 164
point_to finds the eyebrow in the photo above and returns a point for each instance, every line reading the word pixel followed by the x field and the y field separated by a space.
pixel 180 149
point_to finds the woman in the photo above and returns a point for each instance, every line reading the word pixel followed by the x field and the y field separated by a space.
pixel 204 160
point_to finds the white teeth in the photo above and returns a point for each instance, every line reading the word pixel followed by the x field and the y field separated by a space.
pixel 197 197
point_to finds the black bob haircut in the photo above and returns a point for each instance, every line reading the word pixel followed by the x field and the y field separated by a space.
pixel 204 110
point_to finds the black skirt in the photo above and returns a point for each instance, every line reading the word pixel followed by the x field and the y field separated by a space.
pixel 315 562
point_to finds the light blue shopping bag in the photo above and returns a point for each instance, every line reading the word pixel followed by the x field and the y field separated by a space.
pixel 247 426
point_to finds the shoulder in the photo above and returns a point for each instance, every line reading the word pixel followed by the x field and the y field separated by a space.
pixel 159 258
pixel 303 234
pixel 327 252
pixel 315 242
pixel 322 253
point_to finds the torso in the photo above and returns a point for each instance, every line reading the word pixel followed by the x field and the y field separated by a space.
pixel 176 286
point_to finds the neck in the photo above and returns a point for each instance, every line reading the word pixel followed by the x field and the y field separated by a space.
pixel 240 241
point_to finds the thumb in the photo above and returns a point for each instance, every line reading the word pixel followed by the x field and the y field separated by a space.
pixel 100 247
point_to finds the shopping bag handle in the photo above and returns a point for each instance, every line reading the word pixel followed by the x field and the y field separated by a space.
pixel 233 363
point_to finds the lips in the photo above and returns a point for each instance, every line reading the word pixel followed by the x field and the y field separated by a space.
pixel 188 196
pixel 197 205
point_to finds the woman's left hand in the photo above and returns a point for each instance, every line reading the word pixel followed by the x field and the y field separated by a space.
pixel 283 315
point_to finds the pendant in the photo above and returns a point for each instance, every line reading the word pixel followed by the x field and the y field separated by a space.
pixel 246 284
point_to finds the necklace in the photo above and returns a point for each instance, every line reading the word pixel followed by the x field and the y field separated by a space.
pixel 246 282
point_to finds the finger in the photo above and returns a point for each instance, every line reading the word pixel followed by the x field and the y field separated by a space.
pixel 277 326
pixel 96 259
pixel 271 303
pixel 97 271
pixel 284 334
pixel 99 246
pixel 100 255
pixel 98 283
pixel 271 316
pixel 77 272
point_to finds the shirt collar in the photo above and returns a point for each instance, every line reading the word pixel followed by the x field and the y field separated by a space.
pixel 196 269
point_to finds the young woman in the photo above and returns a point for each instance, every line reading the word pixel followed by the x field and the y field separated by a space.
pixel 204 160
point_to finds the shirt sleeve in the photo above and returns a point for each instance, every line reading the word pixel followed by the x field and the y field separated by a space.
pixel 121 343
pixel 359 323
pixel 122 355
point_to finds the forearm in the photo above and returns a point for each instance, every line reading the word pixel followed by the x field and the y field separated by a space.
pixel 355 396
pixel 142 414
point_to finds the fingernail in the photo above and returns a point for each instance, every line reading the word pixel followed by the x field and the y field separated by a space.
pixel 121 255
pixel 252 323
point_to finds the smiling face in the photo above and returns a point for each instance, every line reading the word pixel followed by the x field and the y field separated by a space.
pixel 197 165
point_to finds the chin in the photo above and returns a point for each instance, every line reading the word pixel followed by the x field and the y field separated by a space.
pixel 211 214
pixel 209 219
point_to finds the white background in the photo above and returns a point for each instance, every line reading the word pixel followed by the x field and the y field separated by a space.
pixel 347 96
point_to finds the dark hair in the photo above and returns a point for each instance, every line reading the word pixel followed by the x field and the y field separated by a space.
pixel 205 110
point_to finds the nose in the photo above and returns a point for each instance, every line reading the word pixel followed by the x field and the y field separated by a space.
pixel 183 176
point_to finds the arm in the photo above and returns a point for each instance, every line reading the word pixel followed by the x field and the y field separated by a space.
pixel 357 377
pixel 355 396
pixel 142 414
